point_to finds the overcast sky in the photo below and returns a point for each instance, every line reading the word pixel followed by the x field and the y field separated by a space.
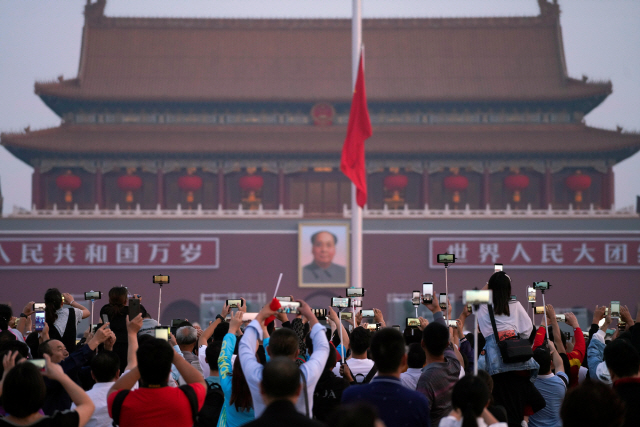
pixel 40 40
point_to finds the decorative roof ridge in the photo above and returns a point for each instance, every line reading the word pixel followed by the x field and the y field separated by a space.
pixel 316 23
pixel 589 82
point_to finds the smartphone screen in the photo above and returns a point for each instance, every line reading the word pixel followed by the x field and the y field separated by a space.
pixel 355 292
pixel 443 300
pixel 105 319
pixel 415 298
pixel 346 315
pixel 162 332
pixel 39 321
pixel 283 298
pixel 40 363
pixel 93 295
pixel 615 308
pixel 477 297
pixel 539 310
pixel 320 313
pixel 356 302
pixel 446 258
pixel 161 280
pixel 372 326
pixel 531 294
pixel 452 324
pixel 289 307
pixel 497 267
pixel 413 322
pixel 427 292
pixel 234 303
pixel 367 313
pixel 340 302
pixel 560 317
pixel 39 306
pixel 541 285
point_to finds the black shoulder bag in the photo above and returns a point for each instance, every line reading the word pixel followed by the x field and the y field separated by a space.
pixel 512 350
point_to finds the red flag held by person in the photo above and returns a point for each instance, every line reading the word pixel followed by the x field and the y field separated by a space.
pixel 359 129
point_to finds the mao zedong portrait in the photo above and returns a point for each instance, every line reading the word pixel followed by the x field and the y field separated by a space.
pixel 322 269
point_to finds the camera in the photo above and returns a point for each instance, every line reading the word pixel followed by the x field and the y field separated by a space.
pixel 161 279
pixel 340 302
pixel 497 267
pixel 415 298
pixel 413 322
pixel 367 313
pixel 355 292
pixel 539 310
pixel 427 292
pixel 477 297
pixel 234 303
pixel 92 295
pixel 531 295
pixel 289 307
pixel 543 286
pixel 446 258
pixel 39 306
pixel 284 298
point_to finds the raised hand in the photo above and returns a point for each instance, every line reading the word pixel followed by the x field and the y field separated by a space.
pixel 236 322
pixel 598 314
pixel 423 323
pixel 570 319
pixel 134 326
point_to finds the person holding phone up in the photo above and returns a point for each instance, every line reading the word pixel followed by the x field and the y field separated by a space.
pixel 62 322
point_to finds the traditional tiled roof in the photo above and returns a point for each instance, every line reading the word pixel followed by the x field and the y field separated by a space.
pixel 422 60
pixel 573 140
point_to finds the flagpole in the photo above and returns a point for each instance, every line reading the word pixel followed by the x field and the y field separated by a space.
pixel 356 211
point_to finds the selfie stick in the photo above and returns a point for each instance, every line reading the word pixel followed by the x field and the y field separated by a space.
pixel 159 302
pixel 545 314
pixel 340 328
pixel 475 340
pixel 92 302
pixel 277 286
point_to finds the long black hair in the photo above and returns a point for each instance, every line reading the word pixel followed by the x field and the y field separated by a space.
pixel 500 284
pixel 52 303
pixel 5 316
pixel 470 395
pixel 117 300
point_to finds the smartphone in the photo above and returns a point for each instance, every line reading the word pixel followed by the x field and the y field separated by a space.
pixel 340 302
pixel 176 322
pixel 93 295
pixel 497 267
pixel 396 327
pixel 452 324
pixel 609 334
pixel 622 326
pixel 543 286
pixel 427 292
pixel 38 306
pixel 289 307
pixel 234 303
pixel 373 326
pixel 284 298
pixel 355 292
pixel 134 308
pixel 356 302
pixel 415 298
pixel 413 322
pixel 40 363
pixel 367 313
pixel 320 313
pixel 162 332
pixel 531 295
pixel 513 298
pixel 346 315
pixel 39 321
pixel 446 258
pixel 477 297
pixel 161 279
pixel 539 310
pixel 442 299
pixel 560 317
pixel 615 309
pixel 105 319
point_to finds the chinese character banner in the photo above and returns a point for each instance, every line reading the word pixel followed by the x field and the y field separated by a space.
pixel 539 252
pixel 108 252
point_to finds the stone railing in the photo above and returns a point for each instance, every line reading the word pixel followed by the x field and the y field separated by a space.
pixel 627 212
pixel 157 213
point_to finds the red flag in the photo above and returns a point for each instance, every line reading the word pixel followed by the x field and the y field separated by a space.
pixel 359 129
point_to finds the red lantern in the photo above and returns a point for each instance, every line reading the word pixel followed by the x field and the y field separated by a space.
pixel 251 183
pixel 129 183
pixel 396 182
pixel 190 183
pixel 456 183
pixel 516 183
pixel 578 183
pixel 68 183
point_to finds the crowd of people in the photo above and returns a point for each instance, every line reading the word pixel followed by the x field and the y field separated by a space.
pixel 284 369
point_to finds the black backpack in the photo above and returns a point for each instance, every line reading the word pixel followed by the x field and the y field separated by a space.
pixel 213 403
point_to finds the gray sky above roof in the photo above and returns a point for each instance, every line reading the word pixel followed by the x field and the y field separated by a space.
pixel 41 40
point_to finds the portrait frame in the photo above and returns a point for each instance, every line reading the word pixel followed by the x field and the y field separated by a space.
pixel 340 260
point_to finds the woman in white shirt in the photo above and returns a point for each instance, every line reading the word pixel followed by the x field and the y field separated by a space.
pixel 470 398
pixel 63 322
